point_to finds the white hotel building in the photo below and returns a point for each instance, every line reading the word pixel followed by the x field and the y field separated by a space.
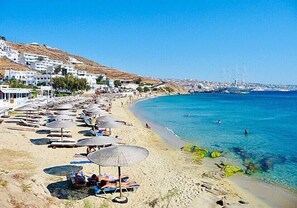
pixel 27 76
pixel 38 62
pixel 8 52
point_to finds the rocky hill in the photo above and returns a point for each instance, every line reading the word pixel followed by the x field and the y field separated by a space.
pixel 56 54
pixel 7 64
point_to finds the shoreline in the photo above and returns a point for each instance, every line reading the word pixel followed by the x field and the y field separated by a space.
pixel 273 195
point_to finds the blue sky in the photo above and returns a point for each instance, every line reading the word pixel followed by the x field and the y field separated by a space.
pixel 166 39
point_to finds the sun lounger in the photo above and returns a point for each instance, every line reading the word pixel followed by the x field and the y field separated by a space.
pixel 31 120
pixel 57 131
pixel 114 187
pixel 59 139
pixel 25 123
pixel 59 134
pixel 110 178
pixel 64 143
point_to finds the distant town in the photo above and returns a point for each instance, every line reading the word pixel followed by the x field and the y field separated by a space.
pixel 192 85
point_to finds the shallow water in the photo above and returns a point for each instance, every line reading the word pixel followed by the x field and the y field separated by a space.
pixel 269 117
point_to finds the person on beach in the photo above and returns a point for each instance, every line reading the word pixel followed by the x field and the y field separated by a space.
pixel 90 149
pixel 147 126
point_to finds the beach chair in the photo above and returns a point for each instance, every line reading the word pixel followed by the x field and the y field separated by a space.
pixel 58 131
pixel 114 187
pixel 64 143
pixel 59 134
pixel 25 123
pixel 31 120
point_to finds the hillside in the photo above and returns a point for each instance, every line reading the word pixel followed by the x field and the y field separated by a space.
pixel 89 66
pixel 7 64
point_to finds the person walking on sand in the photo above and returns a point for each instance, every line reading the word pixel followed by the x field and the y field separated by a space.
pixel 147 126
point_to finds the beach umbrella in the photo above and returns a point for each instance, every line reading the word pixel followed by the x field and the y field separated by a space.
pixel 105 118
pixel 66 106
pixel 110 124
pixel 97 141
pixel 97 111
pixel 62 170
pixel 61 124
pixel 118 156
pixel 63 117
pixel 64 112
pixel 28 108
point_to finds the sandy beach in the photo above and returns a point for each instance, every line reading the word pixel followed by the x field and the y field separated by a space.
pixel 168 177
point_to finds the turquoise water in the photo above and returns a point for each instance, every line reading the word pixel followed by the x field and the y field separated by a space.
pixel 269 117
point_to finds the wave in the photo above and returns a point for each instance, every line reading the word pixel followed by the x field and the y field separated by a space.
pixel 168 129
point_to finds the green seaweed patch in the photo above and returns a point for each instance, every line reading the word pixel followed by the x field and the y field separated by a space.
pixel 201 153
pixel 215 154
pixel 191 148
pixel 229 170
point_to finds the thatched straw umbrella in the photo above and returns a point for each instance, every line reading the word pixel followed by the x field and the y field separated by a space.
pixel 60 124
pixel 119 156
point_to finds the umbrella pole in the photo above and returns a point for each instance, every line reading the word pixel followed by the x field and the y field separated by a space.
pixel 61 134
pixel 99 170
pixel 120 181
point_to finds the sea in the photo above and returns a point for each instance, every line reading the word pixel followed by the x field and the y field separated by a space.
pixel 270 119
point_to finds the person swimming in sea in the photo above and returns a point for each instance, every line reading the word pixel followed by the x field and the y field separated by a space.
pixel 246 132
pixel 218 121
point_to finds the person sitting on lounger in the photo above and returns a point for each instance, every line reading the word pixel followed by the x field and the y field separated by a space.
pixel 90 149
pixel 79 178
pixel 93 180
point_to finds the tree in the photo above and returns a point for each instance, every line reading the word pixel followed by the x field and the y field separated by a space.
pixel 146 89
pixel 70 83
pixel 64 71
pixel 139 89
pixel 40 58
pixel 117 83
pixel 99 80
pixel 138 81
pixel 58 69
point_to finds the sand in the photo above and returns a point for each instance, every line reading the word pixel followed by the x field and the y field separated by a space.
pixel 168 177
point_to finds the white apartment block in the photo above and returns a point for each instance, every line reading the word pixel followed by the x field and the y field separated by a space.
pixel 43 78
pixel 38 62
pixel 70 69
pixel 29 58
pixel 27 76
pixel 74 60
pixel 8 52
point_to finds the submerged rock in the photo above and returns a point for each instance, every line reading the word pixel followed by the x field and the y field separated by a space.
pixel 252 168
pixel 215 154
pixel 231 169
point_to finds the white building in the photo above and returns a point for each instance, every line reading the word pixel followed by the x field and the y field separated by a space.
pixel 38 62
pixel 43 78
pixel 70 69
pixel 40 66
pixel 29 58
pixel 8 52
pixel 74 60
pixel 27 76
pixel 129 85
pixel 13 97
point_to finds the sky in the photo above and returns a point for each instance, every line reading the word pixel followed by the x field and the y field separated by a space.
pixel 200 39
